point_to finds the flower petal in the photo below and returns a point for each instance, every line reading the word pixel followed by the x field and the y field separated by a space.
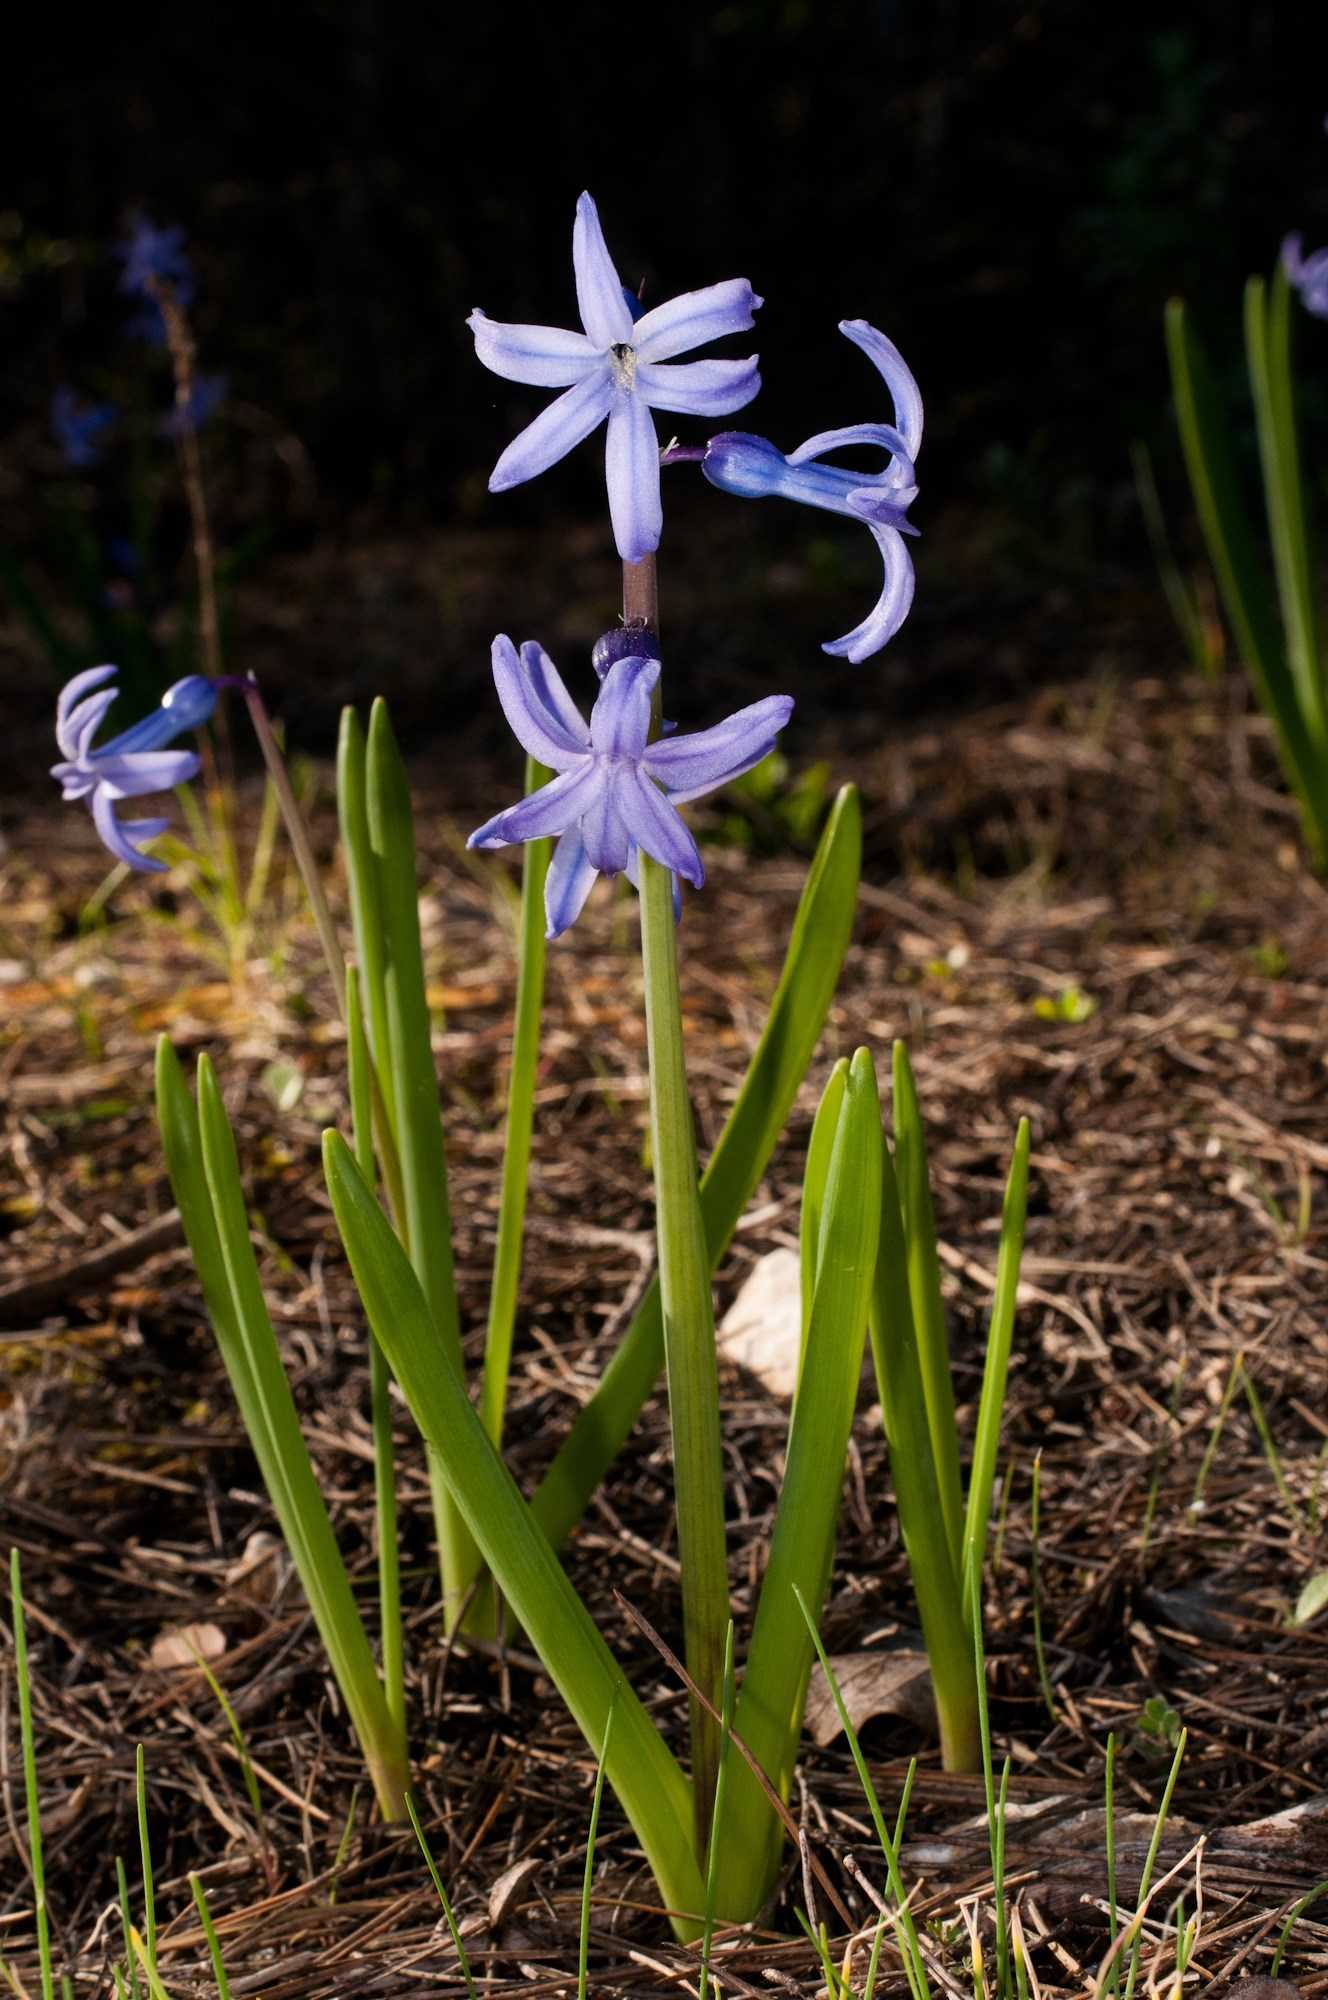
pixel 536 706
pixel 569 881
pixel 550 357
pixel 555 431
pixel 693 318
pixel 901 468
pixel 1293 262
pixel 698 388
pixel 69 696
pixel 142 771
pixel 603 827
pixel 186 705
pixel 552 809
pixel 83 722
pixel 654 825
pixel 690 766
pixel 632 467
pixel 891 607
pixel 620 719
pixel 898 377
pixel 124 841
pixel 605 314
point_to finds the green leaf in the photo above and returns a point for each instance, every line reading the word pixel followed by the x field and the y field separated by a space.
pixel 797 1015
pixel 643 1772
pixel 941 1610
pixel 1000 1334
pixel 924 1282
pixel 416 1115
pixel 774 1687
pixel 253 1362
pixel 1312 1599
pixel 820 1150
pixel 1205 435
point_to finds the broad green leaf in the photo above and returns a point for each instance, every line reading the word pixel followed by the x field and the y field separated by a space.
pixel 417 1118
pixel 274 1426
pixel 1268 349
pixel 924 1282
pixel 362 885
pixel 895 1353
pixel 643 1772
pixel 774 1687
pixel 797 1015
pixel 820 1149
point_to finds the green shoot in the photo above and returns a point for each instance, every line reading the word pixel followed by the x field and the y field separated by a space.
pixel 223 1984
pixel 36 1867
pixel 145 1854
pixel 588 1879
pixel 442 1896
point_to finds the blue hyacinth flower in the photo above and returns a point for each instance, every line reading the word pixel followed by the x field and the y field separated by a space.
pixel 1309 275
pixel 133 763
pixel 616 793
pixel 77 427
pixel 617 369
pixel 752 468
pixel 153 257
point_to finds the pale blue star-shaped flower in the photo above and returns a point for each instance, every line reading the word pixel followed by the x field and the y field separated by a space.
pixel 617 368
pixel 1309 275
pixel 78 427
pixel 133 763
pixel 616 792
pixel 752 468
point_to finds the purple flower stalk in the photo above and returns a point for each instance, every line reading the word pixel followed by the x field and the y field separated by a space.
pixel 133 763
pixel 1309 275
pixel 752 468
pixel 616 792
pixel 77 427
pixel 617 369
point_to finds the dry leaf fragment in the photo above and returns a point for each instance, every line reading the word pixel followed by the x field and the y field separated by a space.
pixel 762 1329
pixel 186 1645
pixel 897 1683
pixel 508 1887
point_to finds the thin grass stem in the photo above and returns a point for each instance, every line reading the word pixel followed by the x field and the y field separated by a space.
pixel 36 1865
pixel 442 1895
pixel 1150 1859
pixel 588 1877
pixel 223 1984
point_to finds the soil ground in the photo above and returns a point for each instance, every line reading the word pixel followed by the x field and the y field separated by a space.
pixel 1120 850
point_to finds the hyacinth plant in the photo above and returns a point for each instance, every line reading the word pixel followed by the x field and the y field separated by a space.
pixel 1275 622
pixel 603 794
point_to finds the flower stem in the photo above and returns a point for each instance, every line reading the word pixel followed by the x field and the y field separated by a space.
pixel 688 1307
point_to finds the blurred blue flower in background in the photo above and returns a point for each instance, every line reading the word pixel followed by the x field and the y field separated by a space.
pixel 151 257
pixel 77 426
pixel 606 803
pixel 616 369
pixel 133 763
pixel 753 469
pixel 1309 275
pixel 206 396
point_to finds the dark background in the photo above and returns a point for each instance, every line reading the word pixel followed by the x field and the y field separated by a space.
pixel 1010 191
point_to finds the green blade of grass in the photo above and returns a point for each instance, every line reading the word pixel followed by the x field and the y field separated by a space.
pixel 1150 1859
pixel 219 1979
pixel 642 1770
pixel 417 1116
pixel 245 1330
pixel 145 1857
pixel 1241 578
pixel 770 1705
pixel 391 1630
pixel 995 1805
pixel 520 1123
pixel 901 1917
pixel 126 1924
pixel 1268 352
pixel 899 1384
pixel 443 1897
pixel 924 1283
pixel 588 1874
pixel 797 1015
pixel 36 1865
pixel 996 1368
pixel 367 925
pixel 816 1173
